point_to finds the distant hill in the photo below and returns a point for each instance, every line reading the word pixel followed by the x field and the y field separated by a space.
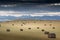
pixel 6 18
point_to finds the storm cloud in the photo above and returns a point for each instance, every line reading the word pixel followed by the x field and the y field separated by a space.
pixel 25 11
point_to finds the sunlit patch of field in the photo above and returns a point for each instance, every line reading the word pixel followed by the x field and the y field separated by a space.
pixel 31 30
pixel 10 37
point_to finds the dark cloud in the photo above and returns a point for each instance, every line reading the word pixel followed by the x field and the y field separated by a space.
pixel 29 1
pixel 32 8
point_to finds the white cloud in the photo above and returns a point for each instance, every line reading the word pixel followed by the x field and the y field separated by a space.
pixel 17 14
pixel 46 14
pixel 8 5
pixel 55 4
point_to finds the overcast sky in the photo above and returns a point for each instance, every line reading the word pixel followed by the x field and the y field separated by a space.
pixel 8 12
